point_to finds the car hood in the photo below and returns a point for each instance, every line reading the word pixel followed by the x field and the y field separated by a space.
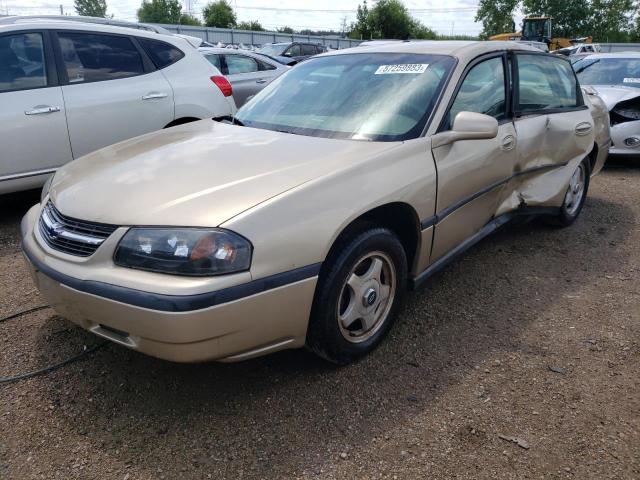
pixel 612 95
pixel 199 174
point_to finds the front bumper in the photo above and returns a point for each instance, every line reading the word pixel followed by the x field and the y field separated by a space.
pixel 622 131
pixel 235 323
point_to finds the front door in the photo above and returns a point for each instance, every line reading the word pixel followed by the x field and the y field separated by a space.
pixel 33 132
pixel 473 173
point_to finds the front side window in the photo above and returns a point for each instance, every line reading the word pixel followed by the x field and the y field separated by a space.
pixel 240 64
pixel 545 83
pixel 609 71
pixel 92 57
pixel 294 51
pixel 482 91
pixel 264 65
pixel 22 63
pixel 162 54
pixel 368 96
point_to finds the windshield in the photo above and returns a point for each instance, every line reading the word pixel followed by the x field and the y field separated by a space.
pixel 609 71
pixel 274 50
pixel 376 96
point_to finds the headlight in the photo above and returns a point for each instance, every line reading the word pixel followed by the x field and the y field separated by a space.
pixel 187 251
pixel 46 187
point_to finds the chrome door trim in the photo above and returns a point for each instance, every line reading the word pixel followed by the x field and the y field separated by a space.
pixel 34 173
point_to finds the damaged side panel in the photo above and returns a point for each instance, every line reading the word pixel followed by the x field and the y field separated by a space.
pixel 549 149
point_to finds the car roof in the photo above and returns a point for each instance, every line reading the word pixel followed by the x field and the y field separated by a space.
pixel 615 55
pixel 457 48
pixel 22 23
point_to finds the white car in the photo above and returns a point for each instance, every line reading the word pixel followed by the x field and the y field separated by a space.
pixel 69 88
pixel 615 78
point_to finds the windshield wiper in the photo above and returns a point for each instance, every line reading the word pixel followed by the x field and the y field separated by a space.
pixel 229 119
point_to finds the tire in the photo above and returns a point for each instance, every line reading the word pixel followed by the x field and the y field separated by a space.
pixel 358 295
pixel 573 200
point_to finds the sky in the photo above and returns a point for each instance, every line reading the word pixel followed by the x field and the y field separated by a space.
pixel 448 17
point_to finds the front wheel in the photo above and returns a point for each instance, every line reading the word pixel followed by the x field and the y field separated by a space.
pixel 575 196
pixel 358 296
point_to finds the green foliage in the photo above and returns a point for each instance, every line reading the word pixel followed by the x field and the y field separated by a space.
pixel 160 11
pixel 186 19
pixel 251 25
pixel 388 19
pixel 219 14
pixel 496 16
pixel 91 8
pixel 288 30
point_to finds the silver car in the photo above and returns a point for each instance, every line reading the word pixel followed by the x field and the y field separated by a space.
pixel 615 77
pixel 247 72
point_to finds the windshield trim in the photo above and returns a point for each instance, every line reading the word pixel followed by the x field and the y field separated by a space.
pixel 445 81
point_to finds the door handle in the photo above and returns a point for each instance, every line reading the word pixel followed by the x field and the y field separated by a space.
pixel 583 128
pixel 152 95
pixel 508 143
pixel 39 110
pixel 262 80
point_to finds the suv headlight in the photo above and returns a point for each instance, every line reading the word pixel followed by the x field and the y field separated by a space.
pixel 184 251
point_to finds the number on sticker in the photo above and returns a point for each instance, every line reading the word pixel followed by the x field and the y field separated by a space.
pixel 404 68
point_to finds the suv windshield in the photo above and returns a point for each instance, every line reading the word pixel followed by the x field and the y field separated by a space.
pixel 273 50
pixel 608 71
pixel 377 96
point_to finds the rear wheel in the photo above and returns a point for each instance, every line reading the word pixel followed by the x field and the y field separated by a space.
pixel 575 196
pixel 358 296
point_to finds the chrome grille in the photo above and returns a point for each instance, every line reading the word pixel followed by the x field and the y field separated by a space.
pixel 68 235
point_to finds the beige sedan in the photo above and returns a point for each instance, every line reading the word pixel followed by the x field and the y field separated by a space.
pixel 301 221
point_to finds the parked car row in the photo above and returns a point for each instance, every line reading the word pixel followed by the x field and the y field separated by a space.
pixel 303 218
pixel 68 88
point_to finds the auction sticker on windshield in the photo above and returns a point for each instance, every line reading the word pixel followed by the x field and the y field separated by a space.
pixel 404 68
pixel 631 80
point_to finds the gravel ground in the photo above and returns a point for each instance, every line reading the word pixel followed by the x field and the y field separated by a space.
pixel 521 360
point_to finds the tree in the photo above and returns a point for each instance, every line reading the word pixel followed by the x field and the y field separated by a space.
pixel 91 8
pixel 219 14
pixel 288 30
pixel 160 11
pixel 361 29
pixel 570 17
pixel 611 20
pixel 250 25
pixel 186 19
pixel 496 16
pixel 391 19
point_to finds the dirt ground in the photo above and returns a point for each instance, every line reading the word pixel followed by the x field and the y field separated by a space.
pixel 521 360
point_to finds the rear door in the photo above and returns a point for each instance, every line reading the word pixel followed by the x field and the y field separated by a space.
pixel 553 126
pixel 33 127
pixel 111 88
pixel 473 173
pixel 247 75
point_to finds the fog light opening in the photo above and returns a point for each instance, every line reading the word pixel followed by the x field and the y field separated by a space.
pixel 632 141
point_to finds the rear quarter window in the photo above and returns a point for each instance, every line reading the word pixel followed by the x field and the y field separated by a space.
pixel 162 54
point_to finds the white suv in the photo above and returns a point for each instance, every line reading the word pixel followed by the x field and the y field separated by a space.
pixel 68 88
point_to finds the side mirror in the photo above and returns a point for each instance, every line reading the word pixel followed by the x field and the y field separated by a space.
pixel 468 126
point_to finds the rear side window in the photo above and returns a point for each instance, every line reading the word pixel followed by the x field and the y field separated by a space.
pixel 482 91
pixel 294 51
pixel 22 64
pixel 240 64
pixel 162 54
pixel 545 83
pixel 309 50
pixel 89 57
pixel 215 61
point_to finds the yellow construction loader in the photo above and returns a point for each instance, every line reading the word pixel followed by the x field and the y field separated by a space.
pixel 538 29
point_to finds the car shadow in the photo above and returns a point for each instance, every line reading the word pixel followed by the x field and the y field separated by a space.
pixel 285 413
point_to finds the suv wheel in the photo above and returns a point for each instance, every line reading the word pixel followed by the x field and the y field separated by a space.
pixel 358 296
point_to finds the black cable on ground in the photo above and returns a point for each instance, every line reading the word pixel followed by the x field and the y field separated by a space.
pixel 55 366
pixel 49 368
pixel 24 312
